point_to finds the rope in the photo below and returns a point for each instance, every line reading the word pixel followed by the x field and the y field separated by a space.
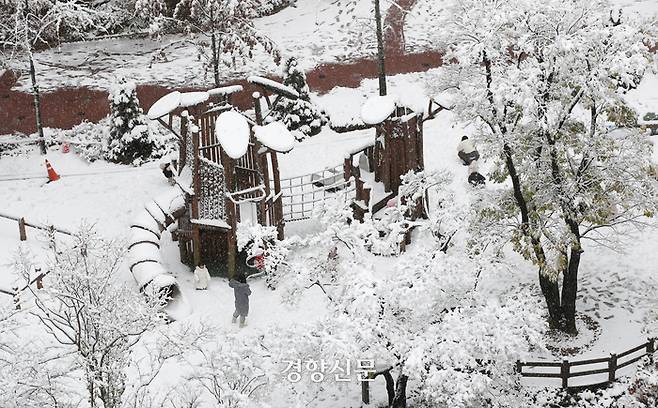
pixel 14 177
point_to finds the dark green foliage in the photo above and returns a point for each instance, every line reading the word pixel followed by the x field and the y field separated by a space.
pixel 301 114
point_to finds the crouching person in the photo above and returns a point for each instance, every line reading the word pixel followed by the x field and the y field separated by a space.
pixel 168 172
pixel 474 176
pixel 467 151
pixel 241 292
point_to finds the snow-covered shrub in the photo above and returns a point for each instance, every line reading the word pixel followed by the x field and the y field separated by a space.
pixel 132 140
pixel 89 139
pixel 423 318
pixel 93 319
pixel 259 240
pixel 300 114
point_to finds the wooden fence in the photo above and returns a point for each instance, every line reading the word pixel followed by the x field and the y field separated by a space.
pixel 22 224
pixel 612 364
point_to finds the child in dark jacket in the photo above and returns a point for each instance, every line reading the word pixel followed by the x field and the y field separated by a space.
pixel 241 292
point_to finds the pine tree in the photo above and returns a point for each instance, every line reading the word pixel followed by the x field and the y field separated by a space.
pixel 300 114
pixel 131 139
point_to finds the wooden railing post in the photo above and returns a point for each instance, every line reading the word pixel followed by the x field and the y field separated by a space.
pixel 196 233
pixel 347 168
pixel 17 298
pixel 612 367
pixel 651 348
pixel 21 229
pixel 518 368
pixel 365 390
pixel 185 139
pixel 564 373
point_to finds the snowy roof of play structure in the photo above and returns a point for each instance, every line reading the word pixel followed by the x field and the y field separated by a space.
pixel 275 136
pixel 193 98
pixel 377 109
pixel 175 100
pixel 225 90
pixel 232 131
pixel 164 105
pixel 445 99
pixel 277 87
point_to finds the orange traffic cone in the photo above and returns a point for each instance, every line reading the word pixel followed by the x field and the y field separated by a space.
pixel 52 174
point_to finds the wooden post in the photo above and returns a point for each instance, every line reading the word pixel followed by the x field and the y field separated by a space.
pixel 365 391
pixel 651 348
pixel 229 173
pixel 347 168
pixel 278 203
pixel 612 367
pixel 196 234
pixel 21 229
pixel 519 366
pixel 182 150
pixel 17 299
pixel 564 373
pixel 39 281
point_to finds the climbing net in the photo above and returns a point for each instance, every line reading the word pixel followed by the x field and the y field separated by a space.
pixel 213 190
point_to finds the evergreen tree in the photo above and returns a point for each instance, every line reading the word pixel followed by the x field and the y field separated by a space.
pixel 300 114
pixel 131 141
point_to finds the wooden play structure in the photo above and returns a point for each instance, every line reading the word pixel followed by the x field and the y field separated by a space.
pixel 228 168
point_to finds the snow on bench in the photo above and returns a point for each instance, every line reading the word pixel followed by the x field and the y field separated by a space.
pixel 225 90
pixel 275 136
pixel 164 105
pixel 321 180
pixel 232 131
pixel 378 108
pixel 274 86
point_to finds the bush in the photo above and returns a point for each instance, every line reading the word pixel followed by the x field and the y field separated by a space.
pixel 300 114
pixel 132 139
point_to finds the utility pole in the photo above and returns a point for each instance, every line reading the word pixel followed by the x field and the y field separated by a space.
pixel 380 50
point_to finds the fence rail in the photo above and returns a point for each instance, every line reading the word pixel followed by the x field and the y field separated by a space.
pixel 565 367
pixel 22 224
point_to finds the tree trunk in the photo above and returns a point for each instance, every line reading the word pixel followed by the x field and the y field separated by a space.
pixel 400 399
pixel 390 386
pixel 380 50
pixel 551 292
pixel 215 59
pixel 37 103
pixel 570 282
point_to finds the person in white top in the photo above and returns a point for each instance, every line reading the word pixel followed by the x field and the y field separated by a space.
pixel 467 151
pixel 201 277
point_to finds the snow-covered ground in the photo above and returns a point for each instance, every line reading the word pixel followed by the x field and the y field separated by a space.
pixel 314 31
pixel 616 287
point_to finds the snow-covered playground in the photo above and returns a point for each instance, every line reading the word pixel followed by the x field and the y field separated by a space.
pixel 380 272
